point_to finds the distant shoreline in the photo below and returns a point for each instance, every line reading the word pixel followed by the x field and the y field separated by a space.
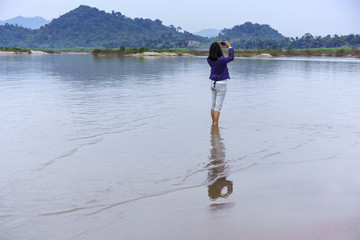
pixel 266 53
pixel 33 52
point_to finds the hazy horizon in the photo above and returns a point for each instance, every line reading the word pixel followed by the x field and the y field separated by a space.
pixel 319 18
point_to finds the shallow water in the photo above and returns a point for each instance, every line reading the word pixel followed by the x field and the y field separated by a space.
pixel 122 148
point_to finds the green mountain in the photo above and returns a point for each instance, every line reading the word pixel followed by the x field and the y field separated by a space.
pixel 89 27
pixel 249 31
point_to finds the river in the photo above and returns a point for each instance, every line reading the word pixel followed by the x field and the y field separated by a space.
pixel 123 148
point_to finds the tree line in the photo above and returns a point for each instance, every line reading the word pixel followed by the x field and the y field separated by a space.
pixel 305 42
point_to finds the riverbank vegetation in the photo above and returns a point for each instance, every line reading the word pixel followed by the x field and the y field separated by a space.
pixel 122 51
pixel 329 52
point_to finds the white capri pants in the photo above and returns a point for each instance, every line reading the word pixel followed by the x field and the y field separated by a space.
pixel 218 90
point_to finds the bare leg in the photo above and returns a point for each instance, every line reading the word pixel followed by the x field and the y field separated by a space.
pixel 212 115
pixel 216 118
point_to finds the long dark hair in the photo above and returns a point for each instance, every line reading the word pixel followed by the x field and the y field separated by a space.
pixel 215 51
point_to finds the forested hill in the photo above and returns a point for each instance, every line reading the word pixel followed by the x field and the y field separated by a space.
pixel 89 27
pixel 250 31
pixel 256 36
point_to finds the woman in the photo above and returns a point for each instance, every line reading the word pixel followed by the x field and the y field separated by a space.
pixel 219 74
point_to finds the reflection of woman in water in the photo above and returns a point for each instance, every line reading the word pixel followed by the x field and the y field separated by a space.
pixel 219 74
pixel 218 170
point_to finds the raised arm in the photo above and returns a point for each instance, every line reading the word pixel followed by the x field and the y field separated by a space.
pixel 231 55
pixel 231 52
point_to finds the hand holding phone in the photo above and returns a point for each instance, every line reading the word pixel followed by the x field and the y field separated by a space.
pixel 226 43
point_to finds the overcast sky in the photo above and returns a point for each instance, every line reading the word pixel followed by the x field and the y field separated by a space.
pixel 291 18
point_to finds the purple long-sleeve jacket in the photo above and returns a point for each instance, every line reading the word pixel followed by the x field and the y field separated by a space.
pixel 219 70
